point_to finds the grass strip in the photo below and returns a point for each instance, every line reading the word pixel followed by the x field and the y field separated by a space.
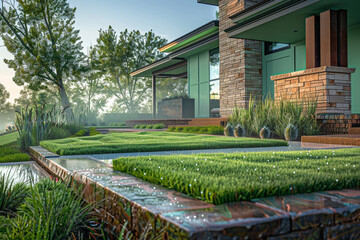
pixel 222 178
pixel 149 142
pixel 8 138
pixel 12 153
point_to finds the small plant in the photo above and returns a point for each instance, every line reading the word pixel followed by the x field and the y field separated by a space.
pixel 73 128
pixel 149 126
pixel 265 133
pixel 142 127
pixel 171 129
pixel 212 130
pixel 92 131
pixel 137 126
pixel 229 130
pixel 158 126
pixel 239 131
pixel 86 132
pixel 291 132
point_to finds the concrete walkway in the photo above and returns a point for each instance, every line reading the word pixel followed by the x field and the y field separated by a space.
pixel 293 146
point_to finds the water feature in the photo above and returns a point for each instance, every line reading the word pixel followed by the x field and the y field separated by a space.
pixel 23 172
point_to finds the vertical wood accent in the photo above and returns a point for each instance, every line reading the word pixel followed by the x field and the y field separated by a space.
pixel 313 42
pixel 342 39
pixel 328 38
pixel 154 96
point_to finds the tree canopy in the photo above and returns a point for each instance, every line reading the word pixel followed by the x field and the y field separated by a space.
pixel 46 47
pixel 117 55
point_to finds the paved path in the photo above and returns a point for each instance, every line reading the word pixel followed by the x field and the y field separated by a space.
pixel 293 146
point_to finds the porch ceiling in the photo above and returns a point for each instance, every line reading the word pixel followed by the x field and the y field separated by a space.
pixel 286 23
pixel 210 2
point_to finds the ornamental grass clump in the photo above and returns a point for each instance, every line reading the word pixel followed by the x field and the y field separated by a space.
pixel 48 210
pixel 276 115
pixel 40 122
pixel 12 195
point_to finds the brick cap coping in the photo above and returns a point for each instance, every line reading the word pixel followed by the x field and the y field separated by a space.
pixel 330 69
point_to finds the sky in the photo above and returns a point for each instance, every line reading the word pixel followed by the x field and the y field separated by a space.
pixel 169 19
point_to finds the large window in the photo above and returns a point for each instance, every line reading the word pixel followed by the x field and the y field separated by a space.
pixel 272 47
pixel 214 83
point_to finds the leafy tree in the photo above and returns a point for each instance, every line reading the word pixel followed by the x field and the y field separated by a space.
pixel 6 109
pixel 46 47
pixel 88 96
pixel 28 96
pixel 116 56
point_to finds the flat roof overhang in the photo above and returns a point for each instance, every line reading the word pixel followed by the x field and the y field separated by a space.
pixel 192 37
pixel 284 20
pixel 210 2
pixel 173 64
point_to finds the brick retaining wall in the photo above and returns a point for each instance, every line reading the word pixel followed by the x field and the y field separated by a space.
pixel 337 123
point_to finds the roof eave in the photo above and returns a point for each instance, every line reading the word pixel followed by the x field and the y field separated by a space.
pixel 172 44
pixel 209 2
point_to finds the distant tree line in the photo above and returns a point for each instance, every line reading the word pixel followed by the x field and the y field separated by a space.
pixel 49 61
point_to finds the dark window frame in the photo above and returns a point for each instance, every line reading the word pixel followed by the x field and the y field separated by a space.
pixel 268 45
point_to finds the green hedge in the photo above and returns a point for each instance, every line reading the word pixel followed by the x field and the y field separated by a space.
pixel 213 130
pixel 222 178
pixel 150 126
pixel 150 142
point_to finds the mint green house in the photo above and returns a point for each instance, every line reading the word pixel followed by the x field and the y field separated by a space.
pixel 284 48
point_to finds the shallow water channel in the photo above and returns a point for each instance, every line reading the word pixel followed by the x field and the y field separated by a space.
pixel 23 172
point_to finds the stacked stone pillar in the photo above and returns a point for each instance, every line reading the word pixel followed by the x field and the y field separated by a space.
pixel 240 61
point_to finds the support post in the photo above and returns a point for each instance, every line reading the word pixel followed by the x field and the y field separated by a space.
pixel 343 38
pixel 313 42
pixel 329 38
pixel 154 96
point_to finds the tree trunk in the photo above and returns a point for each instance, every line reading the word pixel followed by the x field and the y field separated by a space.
pixel 66 105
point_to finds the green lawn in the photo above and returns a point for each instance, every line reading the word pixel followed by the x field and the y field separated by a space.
pixel 221 178
pixel 8 138
pixel 150 141
pixel 12 153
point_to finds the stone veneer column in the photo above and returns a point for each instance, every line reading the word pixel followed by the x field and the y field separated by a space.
pixel 330 86
pixel 240 61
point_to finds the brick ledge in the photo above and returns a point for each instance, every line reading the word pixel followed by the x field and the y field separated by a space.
pixel 313 71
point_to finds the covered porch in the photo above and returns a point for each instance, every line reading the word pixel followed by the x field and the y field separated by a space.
pixel 320 38
pixel 185 82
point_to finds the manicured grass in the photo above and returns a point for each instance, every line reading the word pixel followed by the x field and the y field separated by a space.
pixel 12 153
pixel 150 141
pixel 221 178
pixel 8 138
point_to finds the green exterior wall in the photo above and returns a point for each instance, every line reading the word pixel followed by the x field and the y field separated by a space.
pixel 285 61
pixel 294 59
pixel 354 62
pixel 199 86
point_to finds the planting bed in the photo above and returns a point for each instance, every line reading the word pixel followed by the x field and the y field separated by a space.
pixel 149 142
pixel 323 215
pixel 222 178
